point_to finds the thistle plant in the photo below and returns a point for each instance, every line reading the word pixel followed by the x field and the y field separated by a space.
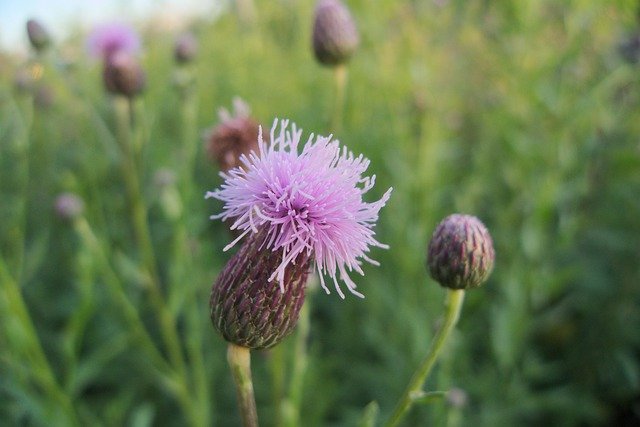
pixel 460 256
pixel 335 39
pixel 299 211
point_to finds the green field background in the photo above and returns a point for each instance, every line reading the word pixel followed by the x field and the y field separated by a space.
pixel 523 113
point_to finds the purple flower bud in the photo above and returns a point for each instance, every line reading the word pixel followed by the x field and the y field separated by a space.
pixel 237 134
pixel 457 398
pixel 629 48
pixel 248 308
pixel 186 48
pixel 68 206
pixel 335 36
pixel 123 75
pixel 38 35
pixel 460 254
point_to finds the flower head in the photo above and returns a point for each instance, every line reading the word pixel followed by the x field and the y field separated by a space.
pixel 108 39
pixel 460 253
pixel 123 75
pixel 308 203
pixel 236 134
pixel 38 35
pixel 68 206
pixel 185 48
pixel 335 36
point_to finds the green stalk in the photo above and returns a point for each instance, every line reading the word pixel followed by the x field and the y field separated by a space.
pixel 143 235
pixel 455 298
pixel 239 359
pixel 123 109
pixel 300 361
pixel 340 78
pixel 114 285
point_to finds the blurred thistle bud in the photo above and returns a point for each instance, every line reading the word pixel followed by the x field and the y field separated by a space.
pixel 38 35
pixel 68 206
pixel 460 253
pixel 123 75
pixel 457 398
pixel 185 49
pixel 247 308
pixel 335 36
pixel 629 48
pixel 236 134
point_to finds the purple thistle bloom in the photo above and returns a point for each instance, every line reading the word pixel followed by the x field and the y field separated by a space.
pixel 108 39
pixel 309 202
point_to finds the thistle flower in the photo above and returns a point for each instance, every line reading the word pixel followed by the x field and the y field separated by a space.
pixel 302 207
pixel 460 253
pixel 185 49
pixel 38 35
pixel 335 36
pixel 123 75
pixel 237 134
pixel 108 39
pixel 68 206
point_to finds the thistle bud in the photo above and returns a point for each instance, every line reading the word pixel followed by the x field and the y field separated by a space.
pixel 186 48
pixel 123 75
pixel 68 206
pixel 460 254
pixel 335 36
pixel 629 48
pixel 38 35
pixel 248 309
pixel 237 134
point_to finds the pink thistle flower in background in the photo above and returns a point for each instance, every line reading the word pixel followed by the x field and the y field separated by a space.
pixel 306 203
pixel 107 39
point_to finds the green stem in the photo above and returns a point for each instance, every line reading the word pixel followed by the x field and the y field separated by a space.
pixel 142 234
pixel 340 77
pixel 300 361
pixel 454 302
pixel 239 359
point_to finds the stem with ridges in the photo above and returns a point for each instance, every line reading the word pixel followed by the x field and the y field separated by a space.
pixel 340 76
pixel 455 298
pixel 239 359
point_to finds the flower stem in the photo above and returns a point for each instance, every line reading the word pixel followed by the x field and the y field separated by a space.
pixel 340 77
pixel 454 302
pixel 239 359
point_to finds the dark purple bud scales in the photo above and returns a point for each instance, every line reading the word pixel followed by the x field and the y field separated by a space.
pixel 460 253
pixel 123 75
pixel 335 36
pixel 248 309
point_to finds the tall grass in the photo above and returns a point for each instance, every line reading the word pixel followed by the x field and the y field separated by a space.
pixel 521 113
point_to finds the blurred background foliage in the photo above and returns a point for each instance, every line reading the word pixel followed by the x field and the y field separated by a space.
pixel 523 113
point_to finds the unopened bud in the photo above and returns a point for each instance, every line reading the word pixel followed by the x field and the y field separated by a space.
pixel 335 36
pixel 38 35
pixel 186 48
pixel 123 75
pixel 68 206
pixel 460 253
